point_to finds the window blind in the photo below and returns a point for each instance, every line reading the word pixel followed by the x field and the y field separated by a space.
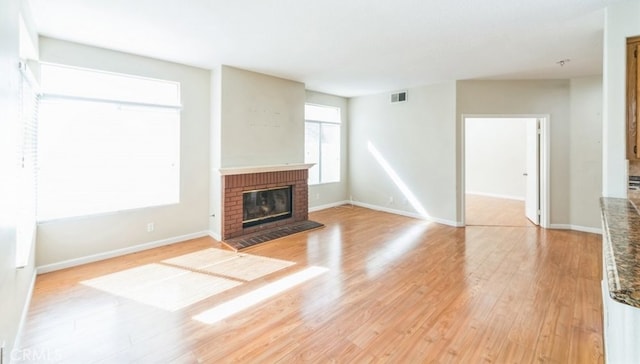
pixel 27 161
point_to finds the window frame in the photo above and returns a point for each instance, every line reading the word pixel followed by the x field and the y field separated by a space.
pixel 321 124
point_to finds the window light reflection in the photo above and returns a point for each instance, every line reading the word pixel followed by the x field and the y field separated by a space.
pixel 394 250
pixel 241 303
pixel 413 200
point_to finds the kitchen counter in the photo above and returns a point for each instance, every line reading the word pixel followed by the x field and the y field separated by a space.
pixel 621 249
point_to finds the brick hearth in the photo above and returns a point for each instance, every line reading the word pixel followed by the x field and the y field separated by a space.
pixel 235 184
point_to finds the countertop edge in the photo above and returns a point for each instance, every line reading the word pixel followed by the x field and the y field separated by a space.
pixel 616 290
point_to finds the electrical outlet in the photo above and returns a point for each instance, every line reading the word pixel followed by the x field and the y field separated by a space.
pixel 150 227
pixel 390 199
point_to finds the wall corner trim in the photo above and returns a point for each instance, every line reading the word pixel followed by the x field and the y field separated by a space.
pixel 23 315
pixel 215 235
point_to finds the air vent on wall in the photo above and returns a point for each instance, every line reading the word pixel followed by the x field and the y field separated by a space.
pixel 399 97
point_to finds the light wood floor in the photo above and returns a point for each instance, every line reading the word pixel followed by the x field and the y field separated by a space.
pixel 492 211
pixel 395 290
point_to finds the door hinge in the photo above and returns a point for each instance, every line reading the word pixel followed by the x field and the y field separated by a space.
pixel 539 212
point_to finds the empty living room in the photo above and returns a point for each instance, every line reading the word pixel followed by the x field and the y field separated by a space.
pixel 349 182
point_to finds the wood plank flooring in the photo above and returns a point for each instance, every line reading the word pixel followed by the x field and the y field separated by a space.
pixel 492 211
pixel 394 289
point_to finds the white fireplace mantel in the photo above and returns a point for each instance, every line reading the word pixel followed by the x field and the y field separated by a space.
pixel 262 169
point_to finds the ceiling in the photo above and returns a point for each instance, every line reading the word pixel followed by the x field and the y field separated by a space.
pixel 346 47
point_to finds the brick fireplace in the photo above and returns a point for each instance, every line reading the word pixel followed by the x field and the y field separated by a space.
pixel 237 181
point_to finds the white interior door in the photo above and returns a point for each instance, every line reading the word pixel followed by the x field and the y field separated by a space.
pixel 532 175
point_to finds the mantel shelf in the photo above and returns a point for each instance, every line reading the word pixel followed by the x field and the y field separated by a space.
pixel 262 169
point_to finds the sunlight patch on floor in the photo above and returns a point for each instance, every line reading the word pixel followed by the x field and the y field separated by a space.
pixel 238 266
pixel 241 303
pixel 383 259
pixel 248 267
pixel 201 258
pixel 162 286
pixel 184 280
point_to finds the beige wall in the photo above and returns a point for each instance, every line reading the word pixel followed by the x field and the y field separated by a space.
pixel 14 283
pixel 417 139
pixel 91 237
pixel 333 193
pixel 421 139
pixel 527 98
pixel 256 120
pixel 585 152
pixel 262 119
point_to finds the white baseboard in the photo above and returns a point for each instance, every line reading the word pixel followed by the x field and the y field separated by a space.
pixel 328 206
pixel 406 213
pixel 215 236
pixel 507 197
pixel 460 224
pixel 118 252
pixel 583 229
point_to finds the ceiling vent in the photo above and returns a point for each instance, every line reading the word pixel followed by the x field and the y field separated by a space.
pixel 399 97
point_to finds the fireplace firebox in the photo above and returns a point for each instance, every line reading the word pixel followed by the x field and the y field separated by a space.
pixel 236 181
pixel 266 205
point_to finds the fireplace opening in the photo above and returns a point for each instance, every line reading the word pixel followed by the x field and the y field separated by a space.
pixel 268 205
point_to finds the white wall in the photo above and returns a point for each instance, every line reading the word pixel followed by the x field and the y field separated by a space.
pixel 262 119
pixel 586 151
pixel 14 283
pixel 527 98
pixel 496 157
pixel 417 139
pixel 215 158
pixel 622 20
pixel 256 120
pixel 77 238
pixel 333 193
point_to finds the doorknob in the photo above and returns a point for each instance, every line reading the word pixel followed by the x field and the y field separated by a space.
pixel 525 174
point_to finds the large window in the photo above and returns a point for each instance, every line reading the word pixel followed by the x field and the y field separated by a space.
pixel 107 142
pixel 322 143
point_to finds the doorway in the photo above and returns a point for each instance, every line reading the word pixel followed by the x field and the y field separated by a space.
pixel 504 169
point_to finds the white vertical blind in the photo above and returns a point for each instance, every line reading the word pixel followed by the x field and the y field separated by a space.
pixel 27 166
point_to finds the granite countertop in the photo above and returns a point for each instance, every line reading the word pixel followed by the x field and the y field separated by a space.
pixel 621 249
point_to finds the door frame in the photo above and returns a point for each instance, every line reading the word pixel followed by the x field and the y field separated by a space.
pixel 544 158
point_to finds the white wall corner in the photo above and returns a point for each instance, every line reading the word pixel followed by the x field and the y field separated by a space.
pixel 25 312
pixel 215 235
